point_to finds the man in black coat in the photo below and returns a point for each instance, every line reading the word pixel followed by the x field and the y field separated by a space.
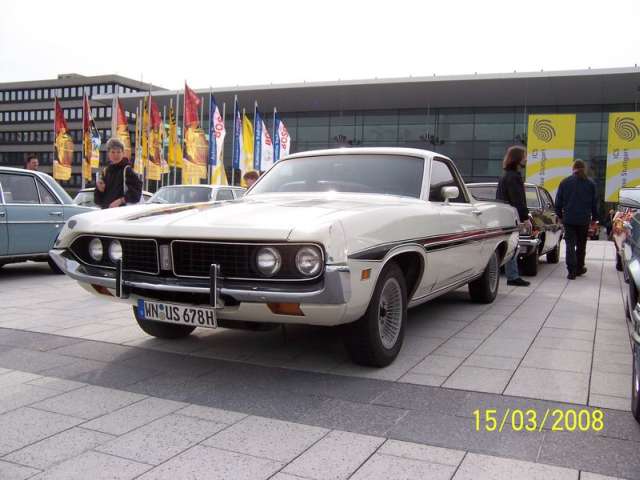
pixel 511 190
pixel 576 206
pixel 119 184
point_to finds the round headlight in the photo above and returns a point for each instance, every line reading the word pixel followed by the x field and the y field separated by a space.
pixel 115 250
pixel 268 261
pixel 308 261
pixel 95 249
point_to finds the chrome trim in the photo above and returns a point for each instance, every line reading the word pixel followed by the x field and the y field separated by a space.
pixel 26 255
pixel 252 244
pixel 442 290
pixel 118 238
pixel 336 289
pixel 24 222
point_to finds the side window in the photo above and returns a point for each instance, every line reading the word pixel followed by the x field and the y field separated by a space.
pixel 45 195
pixel 224 194
pixel 19 188
pixel 443 176
pixel 238 193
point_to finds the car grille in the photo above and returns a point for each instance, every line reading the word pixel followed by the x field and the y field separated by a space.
pixel 140 255
pixel 194 259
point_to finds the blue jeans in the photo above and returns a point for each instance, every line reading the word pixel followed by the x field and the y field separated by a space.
pixel 511 268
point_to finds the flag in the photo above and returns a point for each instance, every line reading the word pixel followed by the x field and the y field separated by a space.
pixel 263 146
pixel 90 141
pixel 144 133
pixel 237 135
pixel 138 165
pixel 550 143
pixel 281 140
pixel 217 133
pixel 195 142
pixel 175 148
pixel 63 145
pixel 154 164
pixel 246 159
pixel 122 130
pixel 623 154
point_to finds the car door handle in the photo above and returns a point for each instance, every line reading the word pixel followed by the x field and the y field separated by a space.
pixel 57 214
pixel 476 212
pixel 2 214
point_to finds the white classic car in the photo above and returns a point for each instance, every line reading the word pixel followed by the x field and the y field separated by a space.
pixel 331 237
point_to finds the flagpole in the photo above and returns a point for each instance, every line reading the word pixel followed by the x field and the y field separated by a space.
pixel 184 109
pixel 256 161
pixel 233 143
pixel 273 138
pixel 83 146
pixel 163 158
pixel 211 132
pixel 221 159
pixel 54 137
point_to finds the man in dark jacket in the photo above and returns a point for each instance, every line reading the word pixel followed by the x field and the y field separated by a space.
pixel 119 184
pixel 576 206
pixel 511 190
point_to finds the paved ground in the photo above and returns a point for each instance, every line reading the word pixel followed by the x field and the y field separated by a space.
pixel 81 388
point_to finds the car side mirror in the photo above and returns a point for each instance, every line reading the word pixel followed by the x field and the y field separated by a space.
pixel 449 192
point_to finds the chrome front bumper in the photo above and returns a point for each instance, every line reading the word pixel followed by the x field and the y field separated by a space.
pixel 527 246
pixel 334 290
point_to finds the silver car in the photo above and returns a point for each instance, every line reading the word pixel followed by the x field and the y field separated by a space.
pixel 196 193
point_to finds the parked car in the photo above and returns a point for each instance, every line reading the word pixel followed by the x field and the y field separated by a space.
pixel 85 197
pixel 332 237
pixel 196 193
pixel 626 235
pixel 546 233
pixel 33 209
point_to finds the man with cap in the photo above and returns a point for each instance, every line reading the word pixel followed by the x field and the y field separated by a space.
pixel 119 184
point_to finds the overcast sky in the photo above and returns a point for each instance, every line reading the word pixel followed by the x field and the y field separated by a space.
pixel 244 42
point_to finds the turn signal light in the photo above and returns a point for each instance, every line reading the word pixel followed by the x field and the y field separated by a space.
pixel 286 309
pixel 366 274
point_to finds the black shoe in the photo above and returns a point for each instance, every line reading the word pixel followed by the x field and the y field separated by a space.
pixel 518 282
pixel 571 276
pixel 581 271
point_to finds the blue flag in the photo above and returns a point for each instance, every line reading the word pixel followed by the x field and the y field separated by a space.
pixel 237 132
pixel 257 144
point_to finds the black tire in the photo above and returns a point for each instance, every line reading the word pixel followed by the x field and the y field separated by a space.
pixel 54 268
pixel 485 288
pixel 619 262
pixel 162 330
pixel 529 265
pixel 554 255
pixel 635 383
pixel 364 340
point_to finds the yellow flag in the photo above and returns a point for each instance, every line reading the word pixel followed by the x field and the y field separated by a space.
pixel 175 148
pixel 623 153
pixel 218 175
pixel 138 166
pixel 145 133
pixel 246 159
pixel 550 144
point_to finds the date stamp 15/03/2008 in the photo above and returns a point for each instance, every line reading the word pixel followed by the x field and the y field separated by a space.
pixel 530 420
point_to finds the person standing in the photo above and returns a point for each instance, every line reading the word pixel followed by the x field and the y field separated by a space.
pixel 32 162
pixel 119 184
pixel 576 206
pixel 511 190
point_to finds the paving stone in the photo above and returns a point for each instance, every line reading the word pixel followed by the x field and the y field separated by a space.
pixel 162 439
pixel 384 467
pixel 89 402
pixel 23 394
pixel 26 425
pixel 99 465
pixel 267 438
pixel 205 463
pixel 11 471
pixel 31 361
pixel 211 414
pixel 595 476
pixel 133 416
pixel 566 333
pixel 58 448
pixel 490 361
pixel 611 384
pixel 606 401
pixel 483 467
pixel 417 397
pixel 56 384
pixel 335 456
pixel 439 365
pixel 100 351
pixel 422 379
pixel 557 385
pixel 554 359
pixel 16 377
pixel 514 348
pixel 479 379
pixel 424 453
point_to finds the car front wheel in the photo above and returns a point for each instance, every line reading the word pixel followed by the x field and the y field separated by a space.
pixel 376 338
pixel 554 255
pixel 161 329
pixel 485 288
pixel 635 383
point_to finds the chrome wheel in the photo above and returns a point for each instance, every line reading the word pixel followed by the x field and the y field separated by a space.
pixel 390 313
pixel 493 273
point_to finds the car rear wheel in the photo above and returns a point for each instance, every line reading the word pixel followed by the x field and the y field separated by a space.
pixel 162 330
pixel 554 255
pixel 529 265
pixel 635 383
pixel 485 288
pixel 376 338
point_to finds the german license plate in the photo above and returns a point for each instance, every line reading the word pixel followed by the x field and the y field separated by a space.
pixel 175 313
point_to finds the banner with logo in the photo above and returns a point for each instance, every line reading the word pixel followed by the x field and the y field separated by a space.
pixel 63 145
pixel 217 132
pixel 155 142
pixel 263 146
pixel 623 153
pixel 90 141
pixel 281 139
pixel 550 147
pixel 196 146
pixel 122 130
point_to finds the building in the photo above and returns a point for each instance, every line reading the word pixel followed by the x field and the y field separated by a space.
pixel 26 116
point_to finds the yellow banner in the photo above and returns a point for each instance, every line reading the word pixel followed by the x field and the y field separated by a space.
pixel 64 157
pixel 246 157
pixel 196 152
pixel 550 144
pixel 623 153
pixel 218 175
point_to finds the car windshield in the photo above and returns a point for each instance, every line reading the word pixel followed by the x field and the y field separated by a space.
pixel 84 199
pixel 357 173
pixel 181 194
pixel 55 186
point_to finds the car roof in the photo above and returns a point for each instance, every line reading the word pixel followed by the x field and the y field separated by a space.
pixel 24 170
pixel 91 189
pixel 495 184
pixel 415 152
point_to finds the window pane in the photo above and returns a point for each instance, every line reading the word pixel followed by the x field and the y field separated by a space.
pixel 313 134
pixel 442 176
pixel 456 131
pixel 380 133
pixel 45 195
pixel 65 92
pixel 224 194
pixel 32 115
pixel 494 131
pixel 19 188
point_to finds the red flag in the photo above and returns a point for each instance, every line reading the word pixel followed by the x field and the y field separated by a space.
pixel 191 106
pixel 156 120
pixel 60 124
pixel 122 130
pixel 122 118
